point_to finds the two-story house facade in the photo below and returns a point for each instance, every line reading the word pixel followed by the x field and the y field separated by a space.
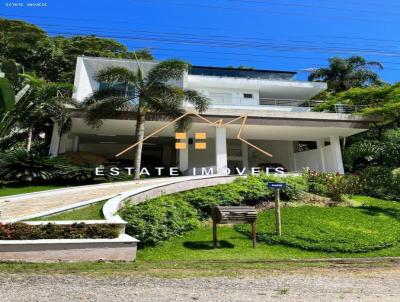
pixel 279 120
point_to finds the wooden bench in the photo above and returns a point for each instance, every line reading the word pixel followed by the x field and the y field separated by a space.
pixel 234 215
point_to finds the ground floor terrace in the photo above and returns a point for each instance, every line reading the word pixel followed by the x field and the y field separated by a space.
pixel 295 140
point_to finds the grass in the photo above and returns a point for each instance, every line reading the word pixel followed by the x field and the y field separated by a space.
pixel 7 191
pixel 91 212
pixel 336 224
pixel 338 229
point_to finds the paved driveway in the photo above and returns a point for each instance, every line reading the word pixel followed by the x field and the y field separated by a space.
pixel 16 207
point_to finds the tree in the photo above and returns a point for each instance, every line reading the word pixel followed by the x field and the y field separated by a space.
pixel 127 90
pixel 69 48
pixel 343 74
pixel 54 58
pixel 44 104
pixel 26 44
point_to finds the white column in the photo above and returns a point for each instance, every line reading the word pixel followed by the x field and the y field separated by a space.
pixel 245 156
pixel 221 157
pixel 183 155
pixel 75 144
pixel 320 145
pixel 55 141
pixel 338 161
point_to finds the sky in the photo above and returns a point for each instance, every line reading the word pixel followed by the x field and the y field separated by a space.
pixel 294 35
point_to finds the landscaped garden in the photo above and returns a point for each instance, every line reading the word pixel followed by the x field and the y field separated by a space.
pixel 177 227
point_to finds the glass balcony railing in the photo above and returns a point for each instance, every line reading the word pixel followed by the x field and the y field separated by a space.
pixel 242 73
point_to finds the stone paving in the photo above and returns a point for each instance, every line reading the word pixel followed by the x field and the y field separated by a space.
pixel 15 207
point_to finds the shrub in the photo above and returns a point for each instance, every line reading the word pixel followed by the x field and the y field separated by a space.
pixel 332 185
pixel 243 190
pixel 381 182
pixel 20 167
pixel 372 152
pixel 23 231
pixel 339 229
pixel 159 219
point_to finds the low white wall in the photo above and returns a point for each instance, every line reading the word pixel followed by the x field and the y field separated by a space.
pixel 122 248
pixel 112 206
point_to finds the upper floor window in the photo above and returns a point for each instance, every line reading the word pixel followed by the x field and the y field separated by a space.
pixel 247 95
pixel 128 90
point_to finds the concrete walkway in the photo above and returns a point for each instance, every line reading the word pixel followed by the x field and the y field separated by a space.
pixel 26 206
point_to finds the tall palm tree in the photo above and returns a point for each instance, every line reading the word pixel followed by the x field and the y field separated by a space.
pixel 127 90
pixel 343 74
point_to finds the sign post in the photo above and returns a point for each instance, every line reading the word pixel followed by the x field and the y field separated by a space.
pixel 276 186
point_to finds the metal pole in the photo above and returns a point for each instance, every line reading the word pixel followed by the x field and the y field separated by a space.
pixel 278 225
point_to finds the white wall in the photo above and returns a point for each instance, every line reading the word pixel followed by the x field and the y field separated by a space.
pixel 229 96
pixel 308 159
pixel 330 159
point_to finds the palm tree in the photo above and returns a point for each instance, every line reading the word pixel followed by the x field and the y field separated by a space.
pixel 127 90
pixel 343 74
pixel 44 104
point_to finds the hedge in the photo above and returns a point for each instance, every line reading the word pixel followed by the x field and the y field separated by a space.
pixel 23 231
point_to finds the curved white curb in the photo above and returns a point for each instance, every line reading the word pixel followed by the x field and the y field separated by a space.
pixel 112 206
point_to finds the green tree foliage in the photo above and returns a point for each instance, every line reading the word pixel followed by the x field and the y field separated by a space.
pixel 44 104
pixel 343 74
pixel 26 44
pixel 54 58
pixel 69 48
pixel 7 99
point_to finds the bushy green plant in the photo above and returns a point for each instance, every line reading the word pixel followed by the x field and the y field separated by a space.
pixel 373 152
pixel 332 185
pixel 339 229
pixel 159 219
pixel 20 167
pixel 381 182
pixel 23 231
pixel 247 190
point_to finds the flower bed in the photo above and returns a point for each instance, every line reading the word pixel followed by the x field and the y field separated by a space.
pixel 23 231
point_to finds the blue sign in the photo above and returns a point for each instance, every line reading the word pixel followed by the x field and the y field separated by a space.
pixel 277 185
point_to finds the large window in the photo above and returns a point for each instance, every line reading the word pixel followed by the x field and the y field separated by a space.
pixel 128 90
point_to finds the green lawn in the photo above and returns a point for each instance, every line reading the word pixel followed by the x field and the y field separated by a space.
pixel 92 212
pixel 373 223
pixel 7 191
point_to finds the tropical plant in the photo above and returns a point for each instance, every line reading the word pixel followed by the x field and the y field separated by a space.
pixel 128 90
pixel 7 99
pixel 44 105
pixel 19 166
pixel 343 74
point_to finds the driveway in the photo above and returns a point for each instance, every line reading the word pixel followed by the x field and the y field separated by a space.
pixel 21 206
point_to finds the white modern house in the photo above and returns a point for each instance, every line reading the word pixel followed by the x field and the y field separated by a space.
pixel 279 121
